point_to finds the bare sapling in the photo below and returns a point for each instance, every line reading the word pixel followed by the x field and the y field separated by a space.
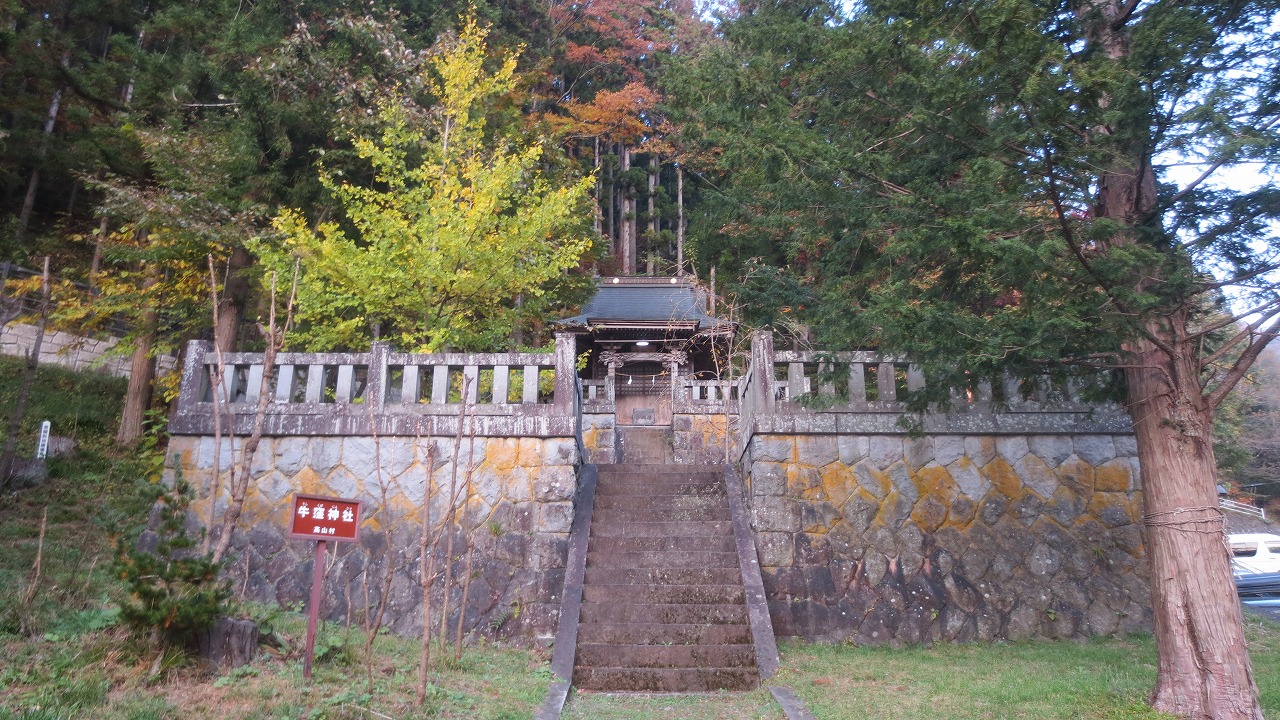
pixel 466 572
pixel 221 404
pixel 374 623
pixel 426 569
pixel 462 606
pixel 33 582
pixel 239 481
pixel 451 514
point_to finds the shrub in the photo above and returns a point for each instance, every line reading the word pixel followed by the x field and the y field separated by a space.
pixel 174 592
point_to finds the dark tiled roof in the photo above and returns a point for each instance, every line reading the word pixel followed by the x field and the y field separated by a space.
pixel 645 300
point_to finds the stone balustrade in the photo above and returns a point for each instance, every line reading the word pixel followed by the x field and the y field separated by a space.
pixel 383 392
pixel 864 392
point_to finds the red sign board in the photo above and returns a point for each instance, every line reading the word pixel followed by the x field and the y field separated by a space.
pixel 316 517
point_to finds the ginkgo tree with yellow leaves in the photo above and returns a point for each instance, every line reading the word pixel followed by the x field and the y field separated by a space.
pixel 460 228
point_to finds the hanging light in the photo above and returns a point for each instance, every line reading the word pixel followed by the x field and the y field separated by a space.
pixel 642 343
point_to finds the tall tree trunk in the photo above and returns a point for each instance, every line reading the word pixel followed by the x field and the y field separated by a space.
pixel 142 370
pixel 597 215
pixel 1203 668
pixel 628 217
pixel 33 183
pixel 651 245
pixel 231 303
pixel 679 219
pixel 95 265
pixel 612 223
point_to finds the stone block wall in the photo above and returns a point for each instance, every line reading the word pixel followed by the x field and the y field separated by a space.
pixel 515 508
pixel 599 438
pixel 892 539
pixel 700 439
pixel 72 351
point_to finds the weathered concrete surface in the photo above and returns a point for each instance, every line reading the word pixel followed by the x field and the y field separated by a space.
pixel 515 508
pixel 894 539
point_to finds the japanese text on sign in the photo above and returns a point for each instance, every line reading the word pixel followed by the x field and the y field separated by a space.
pixel 325 518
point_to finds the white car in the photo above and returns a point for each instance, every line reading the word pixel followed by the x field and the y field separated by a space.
pixel 1253 553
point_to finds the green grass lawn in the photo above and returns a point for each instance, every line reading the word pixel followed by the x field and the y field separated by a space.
pixel 1040 680
pixel 1102 679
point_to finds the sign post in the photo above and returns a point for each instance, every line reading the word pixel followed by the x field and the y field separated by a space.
pixel 320 518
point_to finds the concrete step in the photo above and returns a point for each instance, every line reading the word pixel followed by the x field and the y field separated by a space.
pixel 662 529
pixel 665 560
pixel 654 513
pixel 682 488
pixel 665 679
pixel 621 501
pixel 664 594
pixel 665 656
pixel 609 574
pixel 661 481
pixel 618 613
pixel 639 444
pixel 656 469
pixel 663 634
pixel 686 543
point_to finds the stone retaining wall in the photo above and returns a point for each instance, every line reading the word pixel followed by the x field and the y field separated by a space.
pixel 72 351
pixel 515 514
pixel 892 539
pixel 599 438
pixel 701 439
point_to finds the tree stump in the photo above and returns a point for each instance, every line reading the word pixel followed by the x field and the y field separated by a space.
pixel 230 643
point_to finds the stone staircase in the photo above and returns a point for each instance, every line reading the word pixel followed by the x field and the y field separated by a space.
pixel 663 604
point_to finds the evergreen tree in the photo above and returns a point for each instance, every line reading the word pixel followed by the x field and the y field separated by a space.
pixel 988 187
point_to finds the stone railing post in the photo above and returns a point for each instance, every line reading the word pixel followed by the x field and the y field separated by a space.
pixel 193 375
pixel 566 372
pixel 762 360
pixel 611 384
pixel 376 380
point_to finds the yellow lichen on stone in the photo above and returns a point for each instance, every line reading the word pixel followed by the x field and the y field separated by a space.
pixel 1003 478
pixel 837 482
pixel 282 516
pixel 530 452
pixel 1078 475
pixel 256 508
pixel 308 482
pixel 710 427
pixel 881 478
pixel 886 512
pixel 501 454
pixel 200 508
pixel 402 506
pixel 800 480
pixel 1112 477
pixel 1101 502
pixel 930 512
pixel 933 480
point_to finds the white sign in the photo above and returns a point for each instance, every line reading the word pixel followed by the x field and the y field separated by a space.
pixel 42 447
